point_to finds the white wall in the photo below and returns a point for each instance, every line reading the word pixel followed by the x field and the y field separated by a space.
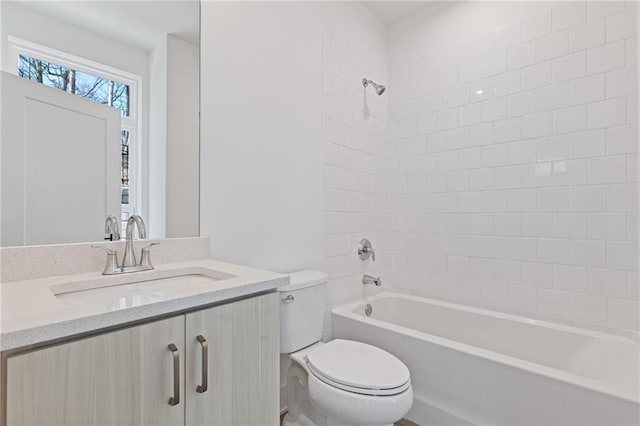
pixel 172 180
pixel 514 157
pixel 155 180
pixel 183 136
pixel 356 155
pixel 27 24
pixel 261 157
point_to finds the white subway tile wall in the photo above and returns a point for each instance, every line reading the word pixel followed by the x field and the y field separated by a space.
pixel 511 169
pixel 356 159
pixel 499 171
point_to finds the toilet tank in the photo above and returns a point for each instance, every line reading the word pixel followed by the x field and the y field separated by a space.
pixel 302 305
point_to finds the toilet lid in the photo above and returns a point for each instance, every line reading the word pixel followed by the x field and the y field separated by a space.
pixel 359 367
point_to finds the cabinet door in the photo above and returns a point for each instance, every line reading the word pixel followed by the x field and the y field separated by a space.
pixel 119 378
pixel 243 340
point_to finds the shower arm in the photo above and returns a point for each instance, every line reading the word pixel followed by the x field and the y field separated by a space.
pixel 378 87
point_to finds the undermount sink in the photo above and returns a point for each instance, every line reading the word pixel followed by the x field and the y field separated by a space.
pixel 116 294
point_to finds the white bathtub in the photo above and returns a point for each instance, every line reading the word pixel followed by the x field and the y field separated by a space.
pixel 476 366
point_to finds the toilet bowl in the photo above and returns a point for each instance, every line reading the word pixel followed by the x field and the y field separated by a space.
pixel 341 382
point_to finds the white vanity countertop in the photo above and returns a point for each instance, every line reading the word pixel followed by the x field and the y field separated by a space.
pixel 39 310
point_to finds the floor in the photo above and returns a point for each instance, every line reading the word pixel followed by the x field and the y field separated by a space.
pixel 405 422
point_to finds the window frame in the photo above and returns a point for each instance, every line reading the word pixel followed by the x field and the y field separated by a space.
pixel 132 123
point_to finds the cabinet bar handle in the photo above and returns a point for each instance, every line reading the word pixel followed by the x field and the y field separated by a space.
pixel 205 364
pixel 175 399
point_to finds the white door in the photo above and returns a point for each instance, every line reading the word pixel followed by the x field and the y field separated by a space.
pixel 243 363
pixel 123 378
pixel 47 194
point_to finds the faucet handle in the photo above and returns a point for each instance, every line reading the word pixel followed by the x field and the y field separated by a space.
pixel 112 260
pixel 365 250
pixel 151 244
pixel 145 255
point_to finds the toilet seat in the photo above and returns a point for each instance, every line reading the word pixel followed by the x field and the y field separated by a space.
pixel 358 368
pixel 354 409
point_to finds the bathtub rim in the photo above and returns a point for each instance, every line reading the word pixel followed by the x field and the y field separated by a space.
pixel 346 311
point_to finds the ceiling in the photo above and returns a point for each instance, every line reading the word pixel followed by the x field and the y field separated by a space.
pixel 393 11
pixel 138 23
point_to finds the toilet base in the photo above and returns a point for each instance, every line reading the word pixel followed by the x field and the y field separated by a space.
pixel 301 412
pixel 304 411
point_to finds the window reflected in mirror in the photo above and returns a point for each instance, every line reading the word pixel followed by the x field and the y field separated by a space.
pixel 103 90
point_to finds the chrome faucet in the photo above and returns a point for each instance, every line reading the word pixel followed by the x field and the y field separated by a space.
pixel 129 263
pixel 368 279
pixel 129 259
pixel 111 229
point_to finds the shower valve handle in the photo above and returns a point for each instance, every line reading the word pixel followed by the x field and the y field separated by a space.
pixel 365 249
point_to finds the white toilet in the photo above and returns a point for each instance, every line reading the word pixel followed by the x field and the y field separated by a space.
pixel 341 382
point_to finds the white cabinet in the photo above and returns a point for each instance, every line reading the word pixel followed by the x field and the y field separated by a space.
pixel 243 363
pixel 127 377
pixel 119 378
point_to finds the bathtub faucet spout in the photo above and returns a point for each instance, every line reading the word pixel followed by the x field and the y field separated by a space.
pixel 368 279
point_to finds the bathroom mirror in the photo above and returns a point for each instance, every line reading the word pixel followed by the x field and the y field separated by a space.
pixel 100 116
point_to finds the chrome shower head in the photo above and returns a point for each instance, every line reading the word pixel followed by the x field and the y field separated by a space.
pixel 378 87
